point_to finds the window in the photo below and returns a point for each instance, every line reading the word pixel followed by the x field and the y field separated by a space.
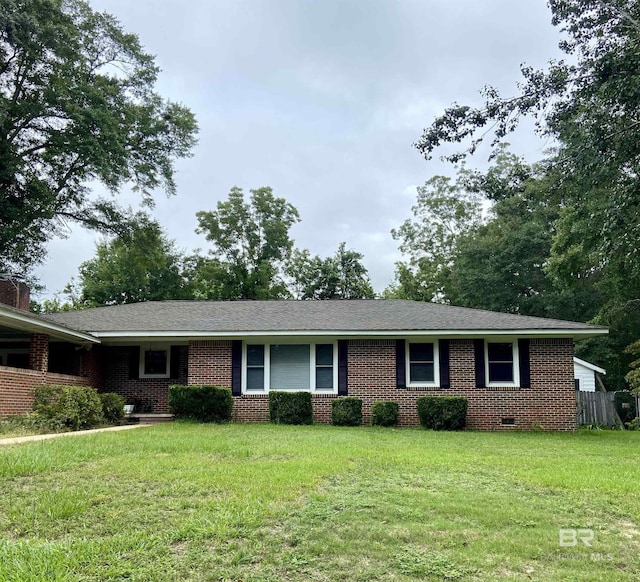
pixel 296 367
pixel 324 367
pixel 255 367
pixel 290 367
pixel 501 360
pixel 154 362
pixel 422 364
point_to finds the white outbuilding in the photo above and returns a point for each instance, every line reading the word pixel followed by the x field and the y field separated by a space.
pixel 587 376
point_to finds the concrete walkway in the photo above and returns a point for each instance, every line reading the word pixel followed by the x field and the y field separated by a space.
pixel 44 437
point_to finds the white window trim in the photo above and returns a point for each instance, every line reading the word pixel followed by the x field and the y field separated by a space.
pixel 312 367
pixel 152 348
pixel 436 365
pixel 516 364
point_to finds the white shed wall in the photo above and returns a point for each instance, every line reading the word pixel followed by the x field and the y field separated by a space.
pixel 586 376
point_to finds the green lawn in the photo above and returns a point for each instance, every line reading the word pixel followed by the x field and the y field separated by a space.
pixel 263 502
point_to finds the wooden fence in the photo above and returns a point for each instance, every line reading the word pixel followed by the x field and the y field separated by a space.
pixel 597 408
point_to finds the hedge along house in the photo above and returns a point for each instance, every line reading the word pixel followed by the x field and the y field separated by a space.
pixel 516 371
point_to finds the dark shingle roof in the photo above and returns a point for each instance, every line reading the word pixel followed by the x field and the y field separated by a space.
pixel 303 316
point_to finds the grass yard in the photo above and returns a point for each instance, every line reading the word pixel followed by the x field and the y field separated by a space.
pixel 263 502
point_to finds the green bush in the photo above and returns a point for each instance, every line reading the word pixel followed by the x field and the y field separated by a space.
pixel 290 407
pixel 204 403
pixel 346 411
pixel 112 407
pixel 633 424
pixel 384 413
pixel 68 407
pixel 442 412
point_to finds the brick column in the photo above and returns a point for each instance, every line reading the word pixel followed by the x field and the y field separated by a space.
pixel 39 352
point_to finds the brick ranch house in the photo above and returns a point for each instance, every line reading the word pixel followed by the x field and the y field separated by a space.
pixel 516 371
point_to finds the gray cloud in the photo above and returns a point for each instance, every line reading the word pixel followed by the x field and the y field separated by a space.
pixel 321 101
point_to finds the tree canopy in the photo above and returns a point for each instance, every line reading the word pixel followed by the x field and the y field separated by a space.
pixel 141 266
pixel 584 263
pixel 77 106
pixel 250 243
pixel 341 276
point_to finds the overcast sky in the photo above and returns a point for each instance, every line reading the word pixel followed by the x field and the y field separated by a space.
pixel 321 100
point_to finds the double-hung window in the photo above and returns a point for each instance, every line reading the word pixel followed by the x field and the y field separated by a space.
pixel 255 367
pixel 501 363
pixel 325 367
pixel 296 367
pixel 422 364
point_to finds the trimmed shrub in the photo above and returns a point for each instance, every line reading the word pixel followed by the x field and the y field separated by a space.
pixel 112 407
pixel 204 403
pixel 346 411
pixel 442 412
pixel 72 407
pixel 290 407
pixel 384 413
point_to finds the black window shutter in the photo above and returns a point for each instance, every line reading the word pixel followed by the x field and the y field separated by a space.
pixel 343 367
pixel 236 367
pixel 134 362
pixel 174 364
pixel 443 348
pixel 401 371
pixel 525 366
pixel 478 346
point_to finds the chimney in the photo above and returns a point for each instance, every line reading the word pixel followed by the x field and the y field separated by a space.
pixel 14 293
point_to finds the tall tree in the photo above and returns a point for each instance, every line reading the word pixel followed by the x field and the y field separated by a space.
pixel 251 244
pixel 342 276
pixel 590 104
pixel 502 261
pixel 445 209
pixel 77 104
pixel 141 266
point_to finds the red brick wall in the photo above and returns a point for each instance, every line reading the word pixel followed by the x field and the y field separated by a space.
pixel 92 365
pixel 549 403
pixel 151 391
pixel 255 408
pixel 210 363
pixel 17 384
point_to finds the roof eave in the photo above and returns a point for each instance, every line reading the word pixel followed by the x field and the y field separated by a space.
pixel 31 323
pixel 579 333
